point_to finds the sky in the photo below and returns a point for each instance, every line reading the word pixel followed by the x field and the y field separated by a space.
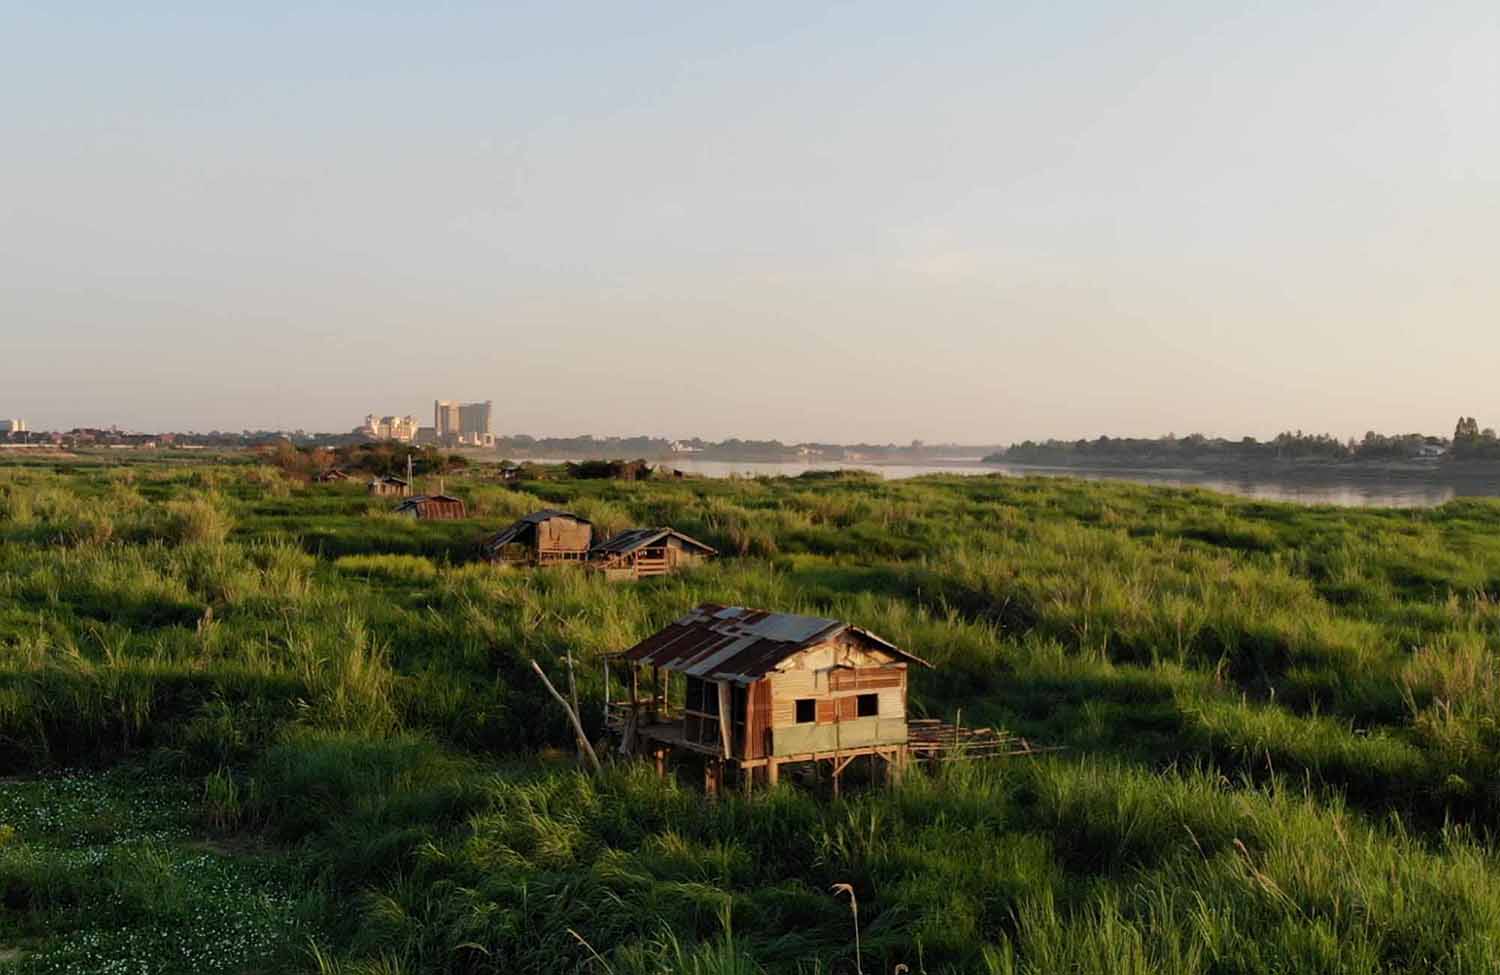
pixel 976 222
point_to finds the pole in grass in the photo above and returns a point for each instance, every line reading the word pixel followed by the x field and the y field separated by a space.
pixel 573 693
pixel 583 739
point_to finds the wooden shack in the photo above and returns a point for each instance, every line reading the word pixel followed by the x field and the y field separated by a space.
pixel 547 537
pixel 389 486
pixel 637 553
pixel 761 690
pixel 331 476
pixel 433 507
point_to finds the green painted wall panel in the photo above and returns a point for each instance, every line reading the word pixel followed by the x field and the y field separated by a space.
pixel 859 733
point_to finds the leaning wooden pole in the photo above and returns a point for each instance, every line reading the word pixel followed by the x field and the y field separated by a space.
pixel 573 691
pixel 583 739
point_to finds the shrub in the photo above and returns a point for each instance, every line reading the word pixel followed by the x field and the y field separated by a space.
pixel 194 521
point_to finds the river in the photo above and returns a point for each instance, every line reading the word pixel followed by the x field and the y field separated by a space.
pixel 1352 492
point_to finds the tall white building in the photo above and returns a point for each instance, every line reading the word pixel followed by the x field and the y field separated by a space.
pixel 12 426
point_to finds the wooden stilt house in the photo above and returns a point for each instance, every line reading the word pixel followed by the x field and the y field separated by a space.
pixel 547 537
pixel 761 690
pixel 641 552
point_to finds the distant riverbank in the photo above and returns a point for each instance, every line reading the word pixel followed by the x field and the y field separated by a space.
pixel 1437 470
pixel 1345 485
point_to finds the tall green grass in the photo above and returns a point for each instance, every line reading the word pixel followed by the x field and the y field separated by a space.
pixel 1280 721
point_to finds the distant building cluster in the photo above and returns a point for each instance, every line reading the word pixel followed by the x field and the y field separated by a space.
pixel 12 426
pixel 454 424
pixel 402 428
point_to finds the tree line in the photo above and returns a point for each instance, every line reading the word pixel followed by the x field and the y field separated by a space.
pixel 1468 443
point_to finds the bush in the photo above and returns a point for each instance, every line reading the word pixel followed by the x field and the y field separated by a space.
pixel 196 521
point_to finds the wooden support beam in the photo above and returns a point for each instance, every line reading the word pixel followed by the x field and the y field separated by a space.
pixel 725 703
pixel 773 772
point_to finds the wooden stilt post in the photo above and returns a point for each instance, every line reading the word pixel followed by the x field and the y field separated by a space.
pixel 773 772
pixel 661 763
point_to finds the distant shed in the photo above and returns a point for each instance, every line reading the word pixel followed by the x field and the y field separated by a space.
pixel 330 476
pixel 641 552
pixel 433 507
pixel 389 486
pixel 546 537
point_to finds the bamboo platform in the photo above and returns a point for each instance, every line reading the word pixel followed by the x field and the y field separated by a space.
pixel 937 741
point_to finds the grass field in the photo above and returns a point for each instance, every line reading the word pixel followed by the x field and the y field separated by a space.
pixel 249 724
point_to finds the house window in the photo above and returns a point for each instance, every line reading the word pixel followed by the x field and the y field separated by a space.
pixel 807 710
pixel 869 705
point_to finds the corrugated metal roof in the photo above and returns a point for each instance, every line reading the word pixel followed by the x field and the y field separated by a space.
pixel 418 500
pixel 633 538
pixel 524 527
pixel 742 645
pixel 547 514
pixel 436 506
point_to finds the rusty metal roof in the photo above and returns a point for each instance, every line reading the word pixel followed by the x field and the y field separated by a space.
pixel 742 645
pixel 634 538
pixel 417 500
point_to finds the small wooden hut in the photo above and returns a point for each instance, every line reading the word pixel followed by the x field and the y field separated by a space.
pixel 547 537
pixel 389 486
pixel 330 476
pixel 433 507
pixel 641 552
pixel 762 690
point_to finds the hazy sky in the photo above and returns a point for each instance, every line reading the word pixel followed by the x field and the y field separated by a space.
pixel 974 221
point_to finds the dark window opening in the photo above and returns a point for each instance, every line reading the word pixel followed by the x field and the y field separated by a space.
pixel 869 705
pixel 807 710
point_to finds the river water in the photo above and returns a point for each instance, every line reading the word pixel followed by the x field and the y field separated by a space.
pixel 1364 492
